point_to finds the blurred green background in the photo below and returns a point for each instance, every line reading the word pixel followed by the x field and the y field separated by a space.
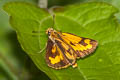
pixel 15 64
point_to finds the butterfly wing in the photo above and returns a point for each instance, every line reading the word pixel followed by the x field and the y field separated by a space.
pixel 67 51
pixel 54 56
pixel 81 46
pixel 66 48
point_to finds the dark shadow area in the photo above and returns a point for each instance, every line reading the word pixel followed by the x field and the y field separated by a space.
pixel 63 2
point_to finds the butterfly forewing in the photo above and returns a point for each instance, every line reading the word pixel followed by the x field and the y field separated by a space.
pixel 82 46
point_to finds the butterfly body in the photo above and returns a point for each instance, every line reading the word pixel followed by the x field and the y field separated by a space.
pixel 64 48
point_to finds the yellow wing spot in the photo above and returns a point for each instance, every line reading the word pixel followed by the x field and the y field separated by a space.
pixel 61 57
pixel 56 59
pixel 72 38
pixel 89 46
pixel 65 46
pixel 54 49
pixel 79 47
pixel 69 56
pixel 87 41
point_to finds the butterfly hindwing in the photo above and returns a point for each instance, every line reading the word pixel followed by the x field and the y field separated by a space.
pixel 54 56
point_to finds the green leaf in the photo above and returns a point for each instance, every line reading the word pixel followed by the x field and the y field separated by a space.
pixel 115 3
pixel 91 20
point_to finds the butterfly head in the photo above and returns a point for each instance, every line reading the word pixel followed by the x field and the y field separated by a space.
pixel 50 31
pixel 52 34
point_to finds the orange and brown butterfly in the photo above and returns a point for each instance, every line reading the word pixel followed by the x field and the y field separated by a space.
pixel 64 48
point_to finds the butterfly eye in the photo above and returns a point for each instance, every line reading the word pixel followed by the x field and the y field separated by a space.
pixel 49 33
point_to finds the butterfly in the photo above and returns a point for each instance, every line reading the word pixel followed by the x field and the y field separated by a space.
pixel 63 49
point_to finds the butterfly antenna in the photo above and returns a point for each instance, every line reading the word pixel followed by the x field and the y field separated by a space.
pixel 53 15
pixel 53 20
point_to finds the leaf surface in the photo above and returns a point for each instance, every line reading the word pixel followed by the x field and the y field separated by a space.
pixel 91 20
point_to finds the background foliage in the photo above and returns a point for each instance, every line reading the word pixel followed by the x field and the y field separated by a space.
pixel 14 63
